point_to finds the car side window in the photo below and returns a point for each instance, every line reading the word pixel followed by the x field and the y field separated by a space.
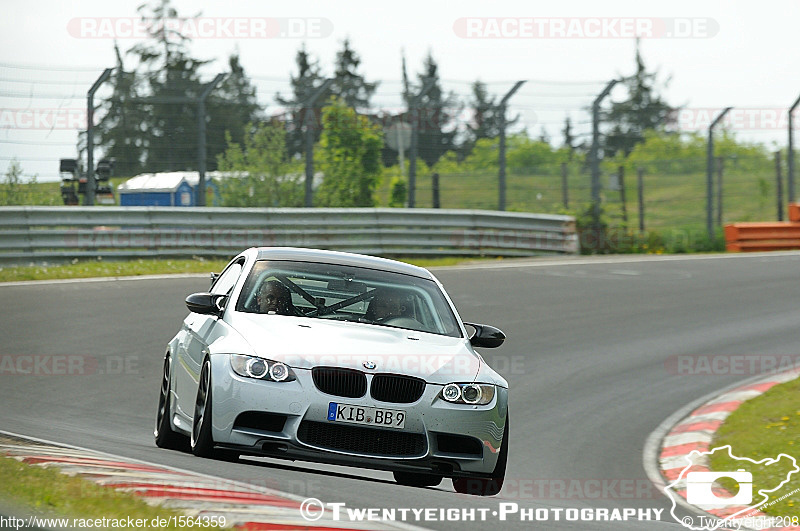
pixel 227 279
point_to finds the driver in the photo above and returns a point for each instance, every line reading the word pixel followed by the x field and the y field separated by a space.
pixel 275 298
pixel 387 303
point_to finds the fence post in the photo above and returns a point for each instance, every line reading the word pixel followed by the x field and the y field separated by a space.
pixel 779 183
pixel 564 187
pixel 621 174
pixel 640 193
pixel 435 186
pixel 719 190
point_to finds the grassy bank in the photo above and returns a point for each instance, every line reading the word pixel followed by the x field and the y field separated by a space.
pixel 46 491
pixel 101 268
pixel 672 200
pixel 765 427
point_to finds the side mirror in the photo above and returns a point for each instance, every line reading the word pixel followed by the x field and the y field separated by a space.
pixel 205 303
pixel 486 336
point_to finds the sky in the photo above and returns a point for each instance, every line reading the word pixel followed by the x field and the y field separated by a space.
pixel 713 54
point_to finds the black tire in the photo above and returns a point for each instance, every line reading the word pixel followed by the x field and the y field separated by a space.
pixel 202 442
pixel 164 435
pixel 492 485
pixel 414 479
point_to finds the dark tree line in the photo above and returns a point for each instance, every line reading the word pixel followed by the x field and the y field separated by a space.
pixel 150 120
pixel 643 110
pixel 149 123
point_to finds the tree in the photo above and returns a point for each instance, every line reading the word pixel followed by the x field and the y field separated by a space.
pixel 348 84
pixel 643 110
pixel 170 76
pixel 122 131
pixel 406 82
pixel 349 156
pixel 12 192
pixel 304 85
pixel 232 106
pixel 150 121
pixel 485 117
pixel 437 114
pixel 569 138
pixel 544 137
pixel 260 172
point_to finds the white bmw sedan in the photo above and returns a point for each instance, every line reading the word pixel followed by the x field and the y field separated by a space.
pixel 336 358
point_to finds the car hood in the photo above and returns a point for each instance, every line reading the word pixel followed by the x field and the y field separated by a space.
pixel 304 343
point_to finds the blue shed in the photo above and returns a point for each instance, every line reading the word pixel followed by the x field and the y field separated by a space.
pixel 161 189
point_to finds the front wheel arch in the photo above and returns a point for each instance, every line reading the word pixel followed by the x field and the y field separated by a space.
pixel 201 440
pixel 165 434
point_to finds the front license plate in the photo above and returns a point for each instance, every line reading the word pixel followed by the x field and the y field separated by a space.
pixel 367 416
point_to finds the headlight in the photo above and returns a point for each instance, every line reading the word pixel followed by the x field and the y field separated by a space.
pixel 451 392
pixel 256 368
pixel 278 372
pixel 261 369
pixel 470 393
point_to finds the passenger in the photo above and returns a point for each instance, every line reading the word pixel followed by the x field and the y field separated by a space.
pixel 275 298
pixel 386 304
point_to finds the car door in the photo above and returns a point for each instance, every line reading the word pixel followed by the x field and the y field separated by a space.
pixel 197 328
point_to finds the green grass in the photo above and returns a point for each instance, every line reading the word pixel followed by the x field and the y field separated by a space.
pixel 105 268
pixel 671 201
pixel 765 427
pixel 49 491
pixel 98 268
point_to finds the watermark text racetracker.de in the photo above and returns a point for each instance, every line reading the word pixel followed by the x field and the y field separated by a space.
pixel 66 364
pixel 45 119
pixel 201 27
pixel 579 489
pixel 737 119
pixel 313 509
pixel 403 363
pixel 730 364
pixel 585 27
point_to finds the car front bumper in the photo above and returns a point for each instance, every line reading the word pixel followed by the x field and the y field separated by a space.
pixel 456 440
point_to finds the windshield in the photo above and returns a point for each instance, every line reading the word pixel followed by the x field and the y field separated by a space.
pixel 346 293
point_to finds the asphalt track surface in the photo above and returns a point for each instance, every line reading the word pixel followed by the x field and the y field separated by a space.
pixel 589 358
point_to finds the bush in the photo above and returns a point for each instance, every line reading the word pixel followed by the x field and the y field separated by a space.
pixel 399 192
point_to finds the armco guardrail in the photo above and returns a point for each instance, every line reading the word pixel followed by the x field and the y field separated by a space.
pixel 57 233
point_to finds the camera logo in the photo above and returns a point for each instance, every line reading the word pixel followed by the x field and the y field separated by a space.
pixel 696 486
pixel 699 491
